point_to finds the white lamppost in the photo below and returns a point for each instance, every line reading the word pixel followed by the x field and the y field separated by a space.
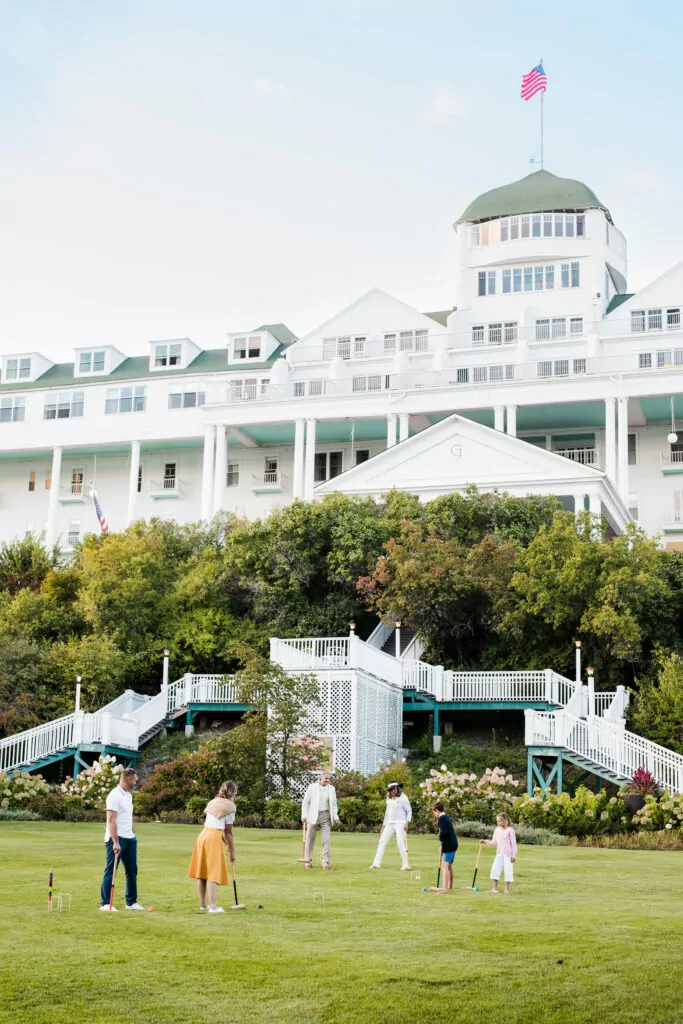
pixel 397 626
pixel 79 680
pixel 578 662
pixel 164 678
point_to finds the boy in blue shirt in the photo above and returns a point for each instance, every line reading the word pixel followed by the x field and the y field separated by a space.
pixel 449 844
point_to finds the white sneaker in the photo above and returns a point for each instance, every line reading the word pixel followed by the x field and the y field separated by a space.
pixel 134 906
pixel 406 868
pixel 217 910
pixel 105 908
pixel 494 891
pixel 374 867
pixel 203 908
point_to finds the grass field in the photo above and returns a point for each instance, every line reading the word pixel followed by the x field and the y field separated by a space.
pixel 378 950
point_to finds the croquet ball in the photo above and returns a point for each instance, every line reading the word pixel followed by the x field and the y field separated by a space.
pixel 150 909
pixel 260 906
pixel 424 890
pixel 477 889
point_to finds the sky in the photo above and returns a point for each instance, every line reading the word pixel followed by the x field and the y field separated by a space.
pixel 172 169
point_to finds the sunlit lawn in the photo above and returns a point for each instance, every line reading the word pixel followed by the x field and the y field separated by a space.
pixel 588 935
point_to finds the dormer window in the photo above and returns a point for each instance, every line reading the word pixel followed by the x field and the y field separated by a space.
pixel 248 347
pixel 91 362
pixel 18 369
pixel 167 355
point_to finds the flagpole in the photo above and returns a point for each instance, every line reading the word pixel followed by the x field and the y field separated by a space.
pixel 541 63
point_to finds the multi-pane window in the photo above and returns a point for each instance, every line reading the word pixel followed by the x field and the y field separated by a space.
pixel 481 282
pixel 327 466
pixel 542 330
pixel 673 319
pixel 478 335
pixel 538 279
pixel 413 341
pixel 654 319
pixel 63 406
pixel 76 481
pixel 170 476
pixel 579 366
pixel 576 326
pixel 233 477
pixel 74 533
pixel 534 225
pixel 559 367
pixel 575 274
pixel 528 279
pixel 12 409
pixel 247 347
pixel 486 282
pixel 516 279
pixel 637 321
pixel 91 362
pixel 371 383
pixel 316 387
pixel 362 455
pixel 479 374
pixel 495 334
pixel 645 361
pixel 186 399
pixel 18 369
pixel 167 354
pixel 547 225
pixel 462 376
pixel 493 374
pixel 389 342
pixel 507 281
pixel 559 327
pixel 510 332
pixel 248 389
pixel 550 277
pixel 300 389
pixel 125 400
pixel 570 275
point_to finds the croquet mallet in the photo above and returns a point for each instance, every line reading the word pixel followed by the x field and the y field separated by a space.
pixel 302 858
pixel 113 881
pixel 407 854
pixel 438 873
pixel 237 905
pixel 476 868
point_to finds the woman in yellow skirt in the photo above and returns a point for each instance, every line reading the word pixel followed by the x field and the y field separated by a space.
pixel 208 861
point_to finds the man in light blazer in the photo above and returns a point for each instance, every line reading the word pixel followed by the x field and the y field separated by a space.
pixel 319 812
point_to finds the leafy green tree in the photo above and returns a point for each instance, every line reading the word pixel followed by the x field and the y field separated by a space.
pixel 290 704
pixel 656 710
pixel 22 694
pixel 24 563
pixel 97 658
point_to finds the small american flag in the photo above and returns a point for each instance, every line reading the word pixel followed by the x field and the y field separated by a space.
pixel 104 526
pixel 534 81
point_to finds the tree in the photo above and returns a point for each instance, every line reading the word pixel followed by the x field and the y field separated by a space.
pixel 25 563
pixel 290 704
pixel 657 707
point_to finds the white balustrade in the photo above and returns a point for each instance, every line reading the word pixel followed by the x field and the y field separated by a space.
pixel 151 713
pixel 214 690
pixel 311 653
pixel 38 743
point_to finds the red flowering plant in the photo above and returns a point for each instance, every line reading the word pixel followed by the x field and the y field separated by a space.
pixel 642 782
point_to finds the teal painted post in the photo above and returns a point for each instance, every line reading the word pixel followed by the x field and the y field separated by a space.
pixel 436 721
pixel 598 784
pixel 529 773
pixel 77 766
pixel 559 772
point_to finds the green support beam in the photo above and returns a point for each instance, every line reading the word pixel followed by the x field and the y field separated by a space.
pixel 536 756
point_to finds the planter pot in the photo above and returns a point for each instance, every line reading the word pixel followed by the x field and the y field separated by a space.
pixel 633 801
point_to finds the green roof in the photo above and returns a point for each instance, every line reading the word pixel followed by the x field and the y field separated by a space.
pixel 280 332
pixel 537 193
pixel 214 360
pixel 617 301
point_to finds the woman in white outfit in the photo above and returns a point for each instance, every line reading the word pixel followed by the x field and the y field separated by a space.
pixel 397 817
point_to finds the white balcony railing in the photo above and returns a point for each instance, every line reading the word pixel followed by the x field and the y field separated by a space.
pixel 167 487
pixel 671 458
pixel 584 456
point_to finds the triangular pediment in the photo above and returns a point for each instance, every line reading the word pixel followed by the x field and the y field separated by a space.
pixel 456 453
pixel 373 313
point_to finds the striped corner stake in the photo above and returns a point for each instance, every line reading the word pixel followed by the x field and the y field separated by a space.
pixel 49 893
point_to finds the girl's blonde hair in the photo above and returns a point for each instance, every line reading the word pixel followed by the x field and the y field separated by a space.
pixel 505 818
pixel 227 790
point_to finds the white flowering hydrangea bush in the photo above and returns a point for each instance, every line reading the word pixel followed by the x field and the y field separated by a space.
pixel 468 796
pixel 93 784
pixel 17 789
pixel 663 813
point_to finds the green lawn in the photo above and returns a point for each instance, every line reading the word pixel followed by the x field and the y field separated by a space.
pixel 378 950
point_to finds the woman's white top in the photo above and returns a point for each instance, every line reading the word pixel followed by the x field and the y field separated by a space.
pixel 213 822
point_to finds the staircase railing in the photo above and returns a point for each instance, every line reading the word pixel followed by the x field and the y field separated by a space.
pixel 38 743
pixel 606 744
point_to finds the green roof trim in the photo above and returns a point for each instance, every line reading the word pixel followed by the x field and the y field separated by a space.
pixel 537 193
pixel 617 301
pixel 280 332
pixel 134 368
pixel 441 316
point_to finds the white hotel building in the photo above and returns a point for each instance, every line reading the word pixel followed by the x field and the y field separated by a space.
pixel 563 383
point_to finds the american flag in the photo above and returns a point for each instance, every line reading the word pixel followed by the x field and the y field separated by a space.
pixel 104 526
pixel 533 82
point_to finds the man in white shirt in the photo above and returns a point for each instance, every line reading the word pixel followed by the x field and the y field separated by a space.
pixel 319 811
pixel 397 817
pixel 120 841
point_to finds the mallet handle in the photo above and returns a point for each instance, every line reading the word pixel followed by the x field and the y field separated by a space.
pixel 113 881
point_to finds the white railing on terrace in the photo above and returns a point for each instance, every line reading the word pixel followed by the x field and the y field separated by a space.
pixel 169 483
pixel 603 702
pixel 607 744
pixel 271 478
pixel 35 744
pixel 214 690
pixel 674 458
pixel 319 653
pixel 150 714
pixel 127 703
pixel 584 456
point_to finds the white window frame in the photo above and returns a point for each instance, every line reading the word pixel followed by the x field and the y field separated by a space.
pixel 12 408
pixel 167 354
pixel 232 473
pixel 18 368
pixel 64 405
pixel 87 361
pixel 114 397
pixel 183 396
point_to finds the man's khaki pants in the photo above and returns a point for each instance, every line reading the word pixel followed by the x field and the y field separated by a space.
pixel 322 825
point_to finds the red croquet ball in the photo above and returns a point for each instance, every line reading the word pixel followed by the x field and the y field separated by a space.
pixel 149 909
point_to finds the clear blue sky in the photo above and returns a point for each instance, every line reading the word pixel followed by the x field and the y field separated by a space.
pixel 172 168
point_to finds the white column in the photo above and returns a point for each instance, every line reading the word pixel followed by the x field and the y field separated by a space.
pixel 622 448
pixel 548 442
pixel 299 444
pixel 595 504
pixel 207 471
pixel 403 426
pixel 512 420
pixel 610 442
pixel 391 429
pixel 133 481
pixel 220 475
pixel 309 461
pixel 53 502
pixel 579 503
pixel 499 417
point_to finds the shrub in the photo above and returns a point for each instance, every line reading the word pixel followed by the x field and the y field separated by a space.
pixel 374 811
pixel 282 813
pixel 468 797
pixel 18 816
pixel 195 806
pixel 395 771
pixel 349 784
pixel 663 813
pixel 525 834
pixel 250 821
pixel 586 813
pixel 19 789
pixel 642 782
pixel 93 785
pixel 351 809
pixel 660 840
pixel 48 806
